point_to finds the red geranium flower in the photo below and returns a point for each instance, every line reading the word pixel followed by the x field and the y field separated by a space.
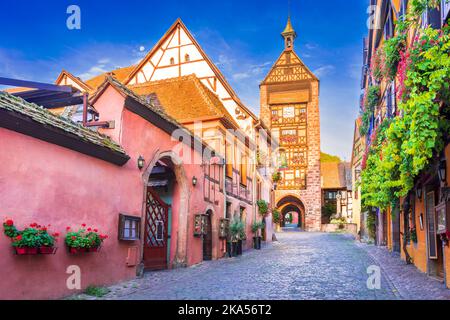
pixel 74 238
pixel 19 237
pixel 83 225
pixel 95 230
pixel 9 222
pixel 67 228
pixel 56 234
pixel 89 229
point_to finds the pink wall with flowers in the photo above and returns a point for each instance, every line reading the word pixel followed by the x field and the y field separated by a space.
pixel 44 183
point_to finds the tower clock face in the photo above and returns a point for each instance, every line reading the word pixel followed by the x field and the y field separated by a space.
pixel 288 112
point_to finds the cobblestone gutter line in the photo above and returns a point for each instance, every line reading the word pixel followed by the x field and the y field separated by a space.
pixel 384 272
pixel 408 281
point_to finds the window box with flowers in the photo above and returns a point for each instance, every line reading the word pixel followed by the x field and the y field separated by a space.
pixel 33 240
pixel 289 139
pixel 84 240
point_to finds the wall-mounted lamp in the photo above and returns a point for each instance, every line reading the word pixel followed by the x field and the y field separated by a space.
pixel 194 181
pixel 442 171
pixel 419 193
pixel 140 162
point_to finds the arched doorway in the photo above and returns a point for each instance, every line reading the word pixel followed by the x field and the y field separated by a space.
pixel 158 215
pixel 292 212
pixel 166 177
pixel 208 238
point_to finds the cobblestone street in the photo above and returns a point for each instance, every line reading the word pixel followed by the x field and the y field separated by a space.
pixel 299 266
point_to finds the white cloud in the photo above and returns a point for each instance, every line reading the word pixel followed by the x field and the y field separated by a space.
pixel 324 70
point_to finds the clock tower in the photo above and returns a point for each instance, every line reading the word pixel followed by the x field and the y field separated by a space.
pixel 290 108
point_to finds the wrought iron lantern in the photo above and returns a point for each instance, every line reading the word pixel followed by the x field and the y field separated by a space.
pixel 442 171
pixel 224 227
pixel 140 162
pixel 419 191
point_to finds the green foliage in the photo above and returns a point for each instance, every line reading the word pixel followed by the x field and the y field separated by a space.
pixel 257 225
pixel 371 224
pixel 84 238
pixel 339 221
pixel 413 235
pixel 328 210
pixel 96 291
pixel 263 207
pixel 276 176
pixel 392 48
pixel 10 229
pixel 372 100
pixel 237 230
pixel 325 158
pixel 409 143
pixel 276 216
pixel 34 236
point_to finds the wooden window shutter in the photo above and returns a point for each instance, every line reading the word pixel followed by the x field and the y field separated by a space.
pixel 229 160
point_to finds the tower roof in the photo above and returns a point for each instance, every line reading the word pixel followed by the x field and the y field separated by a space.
pixel 288 29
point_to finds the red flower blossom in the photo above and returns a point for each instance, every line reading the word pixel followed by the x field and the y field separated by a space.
pixel 95 230
pixel 9 222
pixel 55 234
pixel 83 225
pixel 44 229
pixel 74 238
pixel 19 237
pixel 89 229
pixel 67 228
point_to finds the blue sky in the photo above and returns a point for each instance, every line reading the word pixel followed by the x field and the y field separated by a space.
pixel 242 38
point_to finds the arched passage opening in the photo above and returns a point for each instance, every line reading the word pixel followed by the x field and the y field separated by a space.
pixel 292 212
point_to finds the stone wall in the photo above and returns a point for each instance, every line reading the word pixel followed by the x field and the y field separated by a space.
pixel 347 228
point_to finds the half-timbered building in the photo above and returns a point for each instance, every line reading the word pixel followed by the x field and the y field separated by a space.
pixel 290 107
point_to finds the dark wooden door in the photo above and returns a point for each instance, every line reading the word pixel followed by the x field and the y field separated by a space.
pixel 207 240
pixel 156 232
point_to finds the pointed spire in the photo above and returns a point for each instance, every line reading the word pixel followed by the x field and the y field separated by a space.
pixel 289 34
pixel 289 29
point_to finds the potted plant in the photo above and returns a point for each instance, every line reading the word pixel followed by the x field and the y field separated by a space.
pixel 32 240
pixel 276 176
pixel 47 241
pixel 276 218
pixel 256 227
pixel 84 240
pixel 237 230
pixel 263 207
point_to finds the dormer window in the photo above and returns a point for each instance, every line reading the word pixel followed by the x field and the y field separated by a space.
pixel 187 58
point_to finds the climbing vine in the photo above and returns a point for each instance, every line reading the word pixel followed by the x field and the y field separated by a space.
pixel 405 146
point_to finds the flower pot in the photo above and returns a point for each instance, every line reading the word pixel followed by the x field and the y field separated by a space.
pixel 26 251
pixel 93 249
pixel 77 250
pixel 47 250
pixel 257 243
pixel 239 248
pixel 234 249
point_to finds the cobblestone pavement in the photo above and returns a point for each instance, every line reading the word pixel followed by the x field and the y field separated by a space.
pixel 299 266
pixel 410 283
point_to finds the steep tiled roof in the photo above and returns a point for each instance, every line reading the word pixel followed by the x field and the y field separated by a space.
pixel 126 91
pixel 120 74
pixel 333 175
pixel 151 102
pixel 46 118
pixel 185 98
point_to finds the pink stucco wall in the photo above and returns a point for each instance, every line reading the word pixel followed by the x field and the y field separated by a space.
pixel 44 183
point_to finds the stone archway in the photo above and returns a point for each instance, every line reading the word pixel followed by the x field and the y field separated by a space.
pixel 294 206
pixel 181 208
